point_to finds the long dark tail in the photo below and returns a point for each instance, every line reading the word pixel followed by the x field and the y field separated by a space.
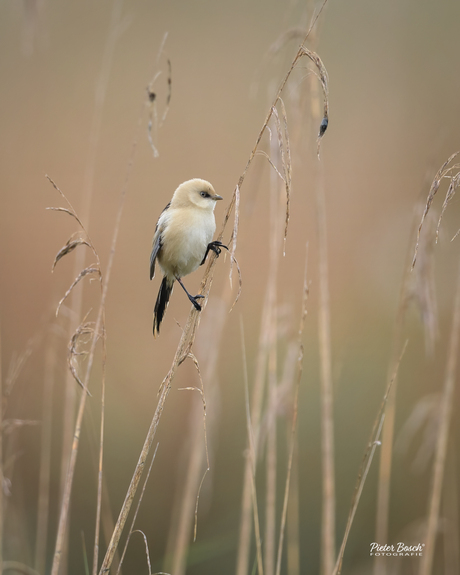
pixel 162 303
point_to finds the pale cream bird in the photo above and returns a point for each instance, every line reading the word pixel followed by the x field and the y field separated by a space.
pixel 182 240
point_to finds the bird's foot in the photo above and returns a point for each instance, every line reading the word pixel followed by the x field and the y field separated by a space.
pixel 216 247
pixel 195 303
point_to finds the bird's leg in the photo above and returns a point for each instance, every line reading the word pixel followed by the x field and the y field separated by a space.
pixel 191 297
pixel 216 247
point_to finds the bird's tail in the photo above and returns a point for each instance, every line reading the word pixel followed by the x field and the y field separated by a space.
pixel 162 303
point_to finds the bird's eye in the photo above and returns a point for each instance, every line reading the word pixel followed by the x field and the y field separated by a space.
pixel 204 194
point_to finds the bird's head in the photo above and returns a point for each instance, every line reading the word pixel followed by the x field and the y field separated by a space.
pixel 196 192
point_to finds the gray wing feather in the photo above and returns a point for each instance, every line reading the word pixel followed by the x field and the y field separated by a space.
pixel 156 247
pixel 153 256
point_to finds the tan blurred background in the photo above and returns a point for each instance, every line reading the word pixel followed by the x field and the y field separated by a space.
pixel 394 119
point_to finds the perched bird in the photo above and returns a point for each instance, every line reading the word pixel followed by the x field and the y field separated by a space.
pixel 182 240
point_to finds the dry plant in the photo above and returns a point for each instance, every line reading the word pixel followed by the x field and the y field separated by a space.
pixel 76 299
pixel 212 329
pixel 417 286
pixel 87 333
pixel 442 438
pixel 325 347
pixel 373 443
pixel 451 172
pixel 9 451
pixel 184 349
pixel 267 354
pixel 292 438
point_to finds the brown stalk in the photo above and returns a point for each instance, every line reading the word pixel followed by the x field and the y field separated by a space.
pixel 87 271
pixel 211 330
pixel 88 186
pixel 374 441
pixel 99 330
pixel 77 295
pixel 182 352
pixel 276 151
pixel 416 285
pixel 245 524
pixel 293 520
pixel 201 391
pixel 327 416
pixel 101 457
pixel 109 51
pixel 137 511
pixel 303 316
pixel 285 153
pixel 256 411
pixel 442 440
pixel 252 457
pixel 421 288
pixel 324 335
pixel 45 453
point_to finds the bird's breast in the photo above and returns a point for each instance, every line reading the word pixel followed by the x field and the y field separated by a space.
pixel 184 241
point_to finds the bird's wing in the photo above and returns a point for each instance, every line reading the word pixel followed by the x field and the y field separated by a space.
pixel 157 241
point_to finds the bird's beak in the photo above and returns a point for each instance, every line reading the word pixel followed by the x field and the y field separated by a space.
pixel 216 197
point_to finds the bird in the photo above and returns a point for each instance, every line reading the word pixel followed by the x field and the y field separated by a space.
pixel 182 240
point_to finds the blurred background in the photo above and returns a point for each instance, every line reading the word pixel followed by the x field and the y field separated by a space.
pixel 74 106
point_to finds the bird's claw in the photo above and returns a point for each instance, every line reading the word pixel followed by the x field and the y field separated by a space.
pixel 195 303
pixel 217 246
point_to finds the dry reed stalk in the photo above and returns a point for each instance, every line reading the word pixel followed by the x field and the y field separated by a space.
pixel 108 522
pixel 252 456
pixel 203 398
pixel 277 151
pixel 45 452
pixel 422 290
pixel 9 450
pixel 442 439
pixel 245 524
pixel 366 463
pixel 324 335
pixel 386 452
pixel 136 512
pixel 189 333
pixel 256 411
pixel 327 415
pixel 211 330
pixel 101 458
pixel 182 353
pixel 293 520
pixel 300 355
pixel 99 330
pixel 383 491
pixel 88 186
